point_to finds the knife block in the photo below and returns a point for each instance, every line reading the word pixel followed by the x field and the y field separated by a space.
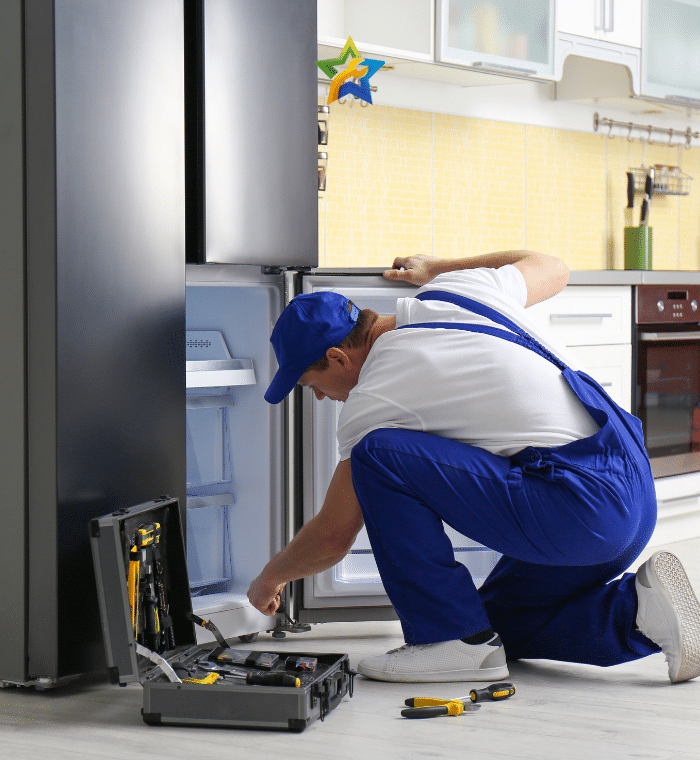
pixel 638 248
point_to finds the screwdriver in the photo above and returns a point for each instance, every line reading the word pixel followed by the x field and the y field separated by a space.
pixel 493 692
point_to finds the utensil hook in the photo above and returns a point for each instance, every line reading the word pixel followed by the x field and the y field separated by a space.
pixel 629 134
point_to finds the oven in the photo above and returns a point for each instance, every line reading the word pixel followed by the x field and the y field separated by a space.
pixel 667 382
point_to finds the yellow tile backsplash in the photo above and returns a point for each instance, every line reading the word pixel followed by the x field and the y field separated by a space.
pixel 401 181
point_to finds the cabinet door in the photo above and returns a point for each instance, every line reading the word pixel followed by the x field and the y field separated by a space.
pixel 617 21
pixel 611 366
pixel 671 49
pixel 398 28
pixel 497 34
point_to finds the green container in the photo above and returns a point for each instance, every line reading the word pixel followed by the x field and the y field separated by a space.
pixel 638 248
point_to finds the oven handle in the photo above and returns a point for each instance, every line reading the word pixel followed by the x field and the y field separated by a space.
pixel 651 337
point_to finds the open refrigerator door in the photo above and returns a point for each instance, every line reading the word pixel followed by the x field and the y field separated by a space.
pixel 352 589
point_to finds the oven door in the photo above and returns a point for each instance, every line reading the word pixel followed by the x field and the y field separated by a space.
pixel 668 396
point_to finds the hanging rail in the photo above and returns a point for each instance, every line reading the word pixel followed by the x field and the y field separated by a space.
pixel 688 134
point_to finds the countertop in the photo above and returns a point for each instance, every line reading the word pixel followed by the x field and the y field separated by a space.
pixel 581 276
pixel 632 277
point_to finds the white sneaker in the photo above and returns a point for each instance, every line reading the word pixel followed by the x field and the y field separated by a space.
pixel 444 661
pixel 668 613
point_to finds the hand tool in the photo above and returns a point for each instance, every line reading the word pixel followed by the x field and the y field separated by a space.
pixel 428 707
pixel 209 626
pixel 494 692
pixel 165 621
pixel 443 707
pixel 133 587
pixel 252 677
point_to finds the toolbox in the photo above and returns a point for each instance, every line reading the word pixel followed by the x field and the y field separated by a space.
pixel 149 635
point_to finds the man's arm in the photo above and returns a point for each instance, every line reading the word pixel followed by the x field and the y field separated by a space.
pixel 544 275
pixel 320 544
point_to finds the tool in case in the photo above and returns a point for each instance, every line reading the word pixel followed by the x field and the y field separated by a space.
pixel 148 628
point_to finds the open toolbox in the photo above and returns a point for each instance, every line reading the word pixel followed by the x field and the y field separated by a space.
pixel 148 628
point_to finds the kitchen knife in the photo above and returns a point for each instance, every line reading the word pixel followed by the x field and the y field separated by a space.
pixel 629 221
pixel 648 192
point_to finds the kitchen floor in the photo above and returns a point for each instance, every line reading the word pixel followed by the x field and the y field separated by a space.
pixel 559 710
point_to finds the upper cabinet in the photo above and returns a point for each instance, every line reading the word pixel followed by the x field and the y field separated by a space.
pixel 497 35
pixel 395 28
pixel 615 21
pixel 671 50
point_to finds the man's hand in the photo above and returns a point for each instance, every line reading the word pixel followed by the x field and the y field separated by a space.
pixel 265 596
pixel 418 269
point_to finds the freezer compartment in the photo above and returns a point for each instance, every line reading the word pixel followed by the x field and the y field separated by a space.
pixel 235 444
pixel 355 581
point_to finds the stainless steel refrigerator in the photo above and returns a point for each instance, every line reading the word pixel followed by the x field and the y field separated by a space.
pixel 92 295
pixel 135 136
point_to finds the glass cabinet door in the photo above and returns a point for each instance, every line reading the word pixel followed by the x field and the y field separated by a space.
pixel 671 49
pixel 511 35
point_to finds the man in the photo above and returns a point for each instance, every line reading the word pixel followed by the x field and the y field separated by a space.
pixel 461 409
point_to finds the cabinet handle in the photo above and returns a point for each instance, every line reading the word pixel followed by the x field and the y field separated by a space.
pixel 660 337
pixel 600 16
pixel 580 316
pixel 504 69
pixel 680 498
pixel 606 12
pixel 606 385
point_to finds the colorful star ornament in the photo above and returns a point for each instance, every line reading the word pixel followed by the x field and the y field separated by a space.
pixel 339 86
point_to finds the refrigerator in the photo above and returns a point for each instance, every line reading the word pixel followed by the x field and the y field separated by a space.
pixel 256 472
pixel 92 305
pixel 159 209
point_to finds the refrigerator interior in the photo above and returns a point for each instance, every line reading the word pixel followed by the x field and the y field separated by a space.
pixel 235 468
pixel 355 581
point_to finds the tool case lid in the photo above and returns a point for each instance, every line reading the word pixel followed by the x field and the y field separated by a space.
pixel 109 539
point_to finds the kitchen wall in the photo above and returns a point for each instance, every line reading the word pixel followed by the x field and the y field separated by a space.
pixel 404 181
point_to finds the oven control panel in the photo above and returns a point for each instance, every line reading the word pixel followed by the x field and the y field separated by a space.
pixel 664 304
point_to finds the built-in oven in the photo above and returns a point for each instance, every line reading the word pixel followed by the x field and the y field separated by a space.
pixel 667 383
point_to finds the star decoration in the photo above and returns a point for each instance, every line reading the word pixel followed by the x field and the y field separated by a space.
pixel 339 87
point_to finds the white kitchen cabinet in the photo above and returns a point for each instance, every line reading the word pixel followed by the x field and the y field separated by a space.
pixel 671 50
pixel 678 504
pixel 497 35
pixel 595 323
pixel 616 21
pixel 394 28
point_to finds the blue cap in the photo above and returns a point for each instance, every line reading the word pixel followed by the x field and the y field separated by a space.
pixel 310 325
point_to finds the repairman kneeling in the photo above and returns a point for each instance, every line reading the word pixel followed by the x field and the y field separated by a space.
pixel 461 408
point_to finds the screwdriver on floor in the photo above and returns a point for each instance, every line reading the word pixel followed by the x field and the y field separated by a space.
pixel 427 707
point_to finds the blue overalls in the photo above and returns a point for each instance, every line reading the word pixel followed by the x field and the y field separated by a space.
pixel 567 520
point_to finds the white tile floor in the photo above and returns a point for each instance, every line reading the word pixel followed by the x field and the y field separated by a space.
pixel 560 711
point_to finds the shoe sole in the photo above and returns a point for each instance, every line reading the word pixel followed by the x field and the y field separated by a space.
pixel 484 674
pixel 668 578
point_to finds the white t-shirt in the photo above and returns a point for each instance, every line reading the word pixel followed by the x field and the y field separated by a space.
pixel 470 387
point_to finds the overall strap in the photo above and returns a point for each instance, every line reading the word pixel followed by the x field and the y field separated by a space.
pixel 516 334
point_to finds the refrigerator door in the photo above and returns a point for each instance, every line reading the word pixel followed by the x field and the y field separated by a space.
pixel 352 589
pixel 236 467
pixel 260 132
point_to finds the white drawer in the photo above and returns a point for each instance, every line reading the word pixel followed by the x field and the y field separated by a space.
pixel 588 315
pixel 611 366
